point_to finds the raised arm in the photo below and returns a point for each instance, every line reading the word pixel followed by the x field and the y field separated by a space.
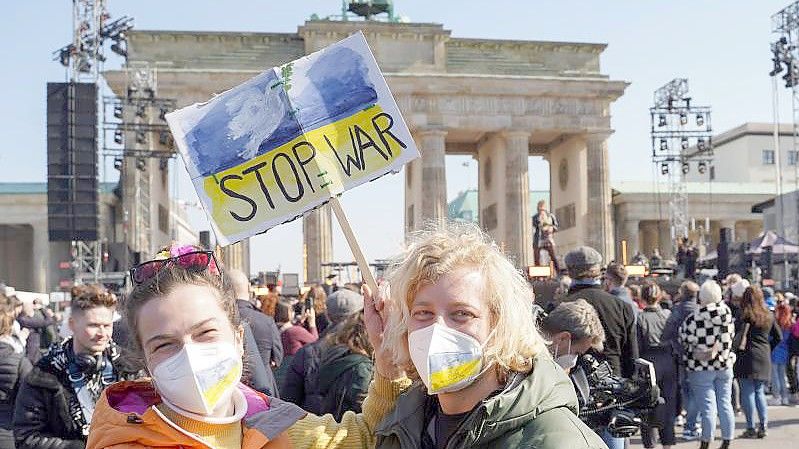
pixel 357 430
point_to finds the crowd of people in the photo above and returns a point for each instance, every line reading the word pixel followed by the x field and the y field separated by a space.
pixel 449 353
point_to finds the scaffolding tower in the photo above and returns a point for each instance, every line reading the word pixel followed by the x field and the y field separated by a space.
pixel 681 138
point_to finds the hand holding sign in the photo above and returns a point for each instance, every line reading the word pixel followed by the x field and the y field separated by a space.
pixel 291 139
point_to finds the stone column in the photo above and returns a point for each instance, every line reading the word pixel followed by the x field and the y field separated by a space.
pixel 665 242
pixel 600 230
pixel 41 260
pixel 237 256
pixel 631 235
pixel 317 231
pixel 518 238
pixel 433 181
pixel 412 207
pixel 649 232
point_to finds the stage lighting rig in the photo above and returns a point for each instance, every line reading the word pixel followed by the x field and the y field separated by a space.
pixel 700 120
pixel 681 133
pixel 118 137
pixel 91 30
pixel 702 167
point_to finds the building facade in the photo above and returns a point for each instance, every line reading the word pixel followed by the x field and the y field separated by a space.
pixel 743 173
pixel 747 153
pixel 497 100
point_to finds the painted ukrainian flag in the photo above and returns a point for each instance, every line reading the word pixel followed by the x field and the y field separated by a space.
pixel 287 140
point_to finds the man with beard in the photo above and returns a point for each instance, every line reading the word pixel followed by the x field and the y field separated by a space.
pixel 56 401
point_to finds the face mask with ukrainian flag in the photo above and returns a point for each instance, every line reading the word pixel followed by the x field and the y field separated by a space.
pixel 200 377
pixel 447 360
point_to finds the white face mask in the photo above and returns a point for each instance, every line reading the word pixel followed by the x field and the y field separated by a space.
pixel 200 377
pixel 566 361
pixel 446 360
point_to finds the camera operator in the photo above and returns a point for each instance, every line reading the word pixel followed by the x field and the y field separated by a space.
pixel 572 328
pixel 612 406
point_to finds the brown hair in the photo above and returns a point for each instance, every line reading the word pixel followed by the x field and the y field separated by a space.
pixel 650 292
pixel 284 312
pixel 784 315
pixel 268 303
pixel 90 296
pixel 165 282
pixel 635 292
pixel 753 307
pixel 616 273
pixel 352 334
pixel 319 299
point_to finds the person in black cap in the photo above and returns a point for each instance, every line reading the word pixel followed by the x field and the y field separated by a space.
pixel 618 319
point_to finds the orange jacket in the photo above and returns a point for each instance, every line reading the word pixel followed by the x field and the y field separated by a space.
pixel 125 418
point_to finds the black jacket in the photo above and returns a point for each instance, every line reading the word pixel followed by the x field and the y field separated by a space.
pixel 264 329
pixel 618 320
pixel 300 384
pixel 344 377
pixel 14 367
pixel 679 312
pixel 754 362
pixel 37 325
pixel 47 414
pixel 267 339
pixel 41 416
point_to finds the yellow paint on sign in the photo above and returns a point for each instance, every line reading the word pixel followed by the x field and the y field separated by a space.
pixel 307 170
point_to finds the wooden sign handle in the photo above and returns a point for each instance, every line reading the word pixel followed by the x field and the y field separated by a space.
pixel 366 273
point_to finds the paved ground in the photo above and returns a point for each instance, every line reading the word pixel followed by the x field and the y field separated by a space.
pixel 783 432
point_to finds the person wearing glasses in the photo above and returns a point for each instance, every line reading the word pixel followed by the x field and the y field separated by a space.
pixel 185 324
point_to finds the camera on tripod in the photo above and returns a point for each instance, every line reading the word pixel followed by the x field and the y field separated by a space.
pixel 610 402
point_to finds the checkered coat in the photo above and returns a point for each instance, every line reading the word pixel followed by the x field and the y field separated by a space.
pixel 709 324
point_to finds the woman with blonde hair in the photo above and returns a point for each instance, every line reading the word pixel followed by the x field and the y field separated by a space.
pixel 459 324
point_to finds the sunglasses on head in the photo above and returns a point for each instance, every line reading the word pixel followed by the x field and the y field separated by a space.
pixel 192 261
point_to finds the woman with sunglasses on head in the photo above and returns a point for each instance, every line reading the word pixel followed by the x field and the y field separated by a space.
pixel 186 326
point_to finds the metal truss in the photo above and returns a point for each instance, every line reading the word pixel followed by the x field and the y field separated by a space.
pixel 682 135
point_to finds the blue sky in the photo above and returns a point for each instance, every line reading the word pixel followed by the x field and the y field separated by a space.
pixel 722 47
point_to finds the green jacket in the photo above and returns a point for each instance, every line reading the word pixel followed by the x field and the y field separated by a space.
pixel 538 410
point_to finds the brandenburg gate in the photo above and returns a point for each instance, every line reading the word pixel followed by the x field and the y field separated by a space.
pixel 499 101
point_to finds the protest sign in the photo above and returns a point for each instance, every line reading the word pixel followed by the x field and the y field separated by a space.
pixel 291 139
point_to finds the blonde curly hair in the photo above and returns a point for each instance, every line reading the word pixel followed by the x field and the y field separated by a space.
pixel 442 249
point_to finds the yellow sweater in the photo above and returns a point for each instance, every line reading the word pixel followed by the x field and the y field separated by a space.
pixel 220 436
pixel 355 431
